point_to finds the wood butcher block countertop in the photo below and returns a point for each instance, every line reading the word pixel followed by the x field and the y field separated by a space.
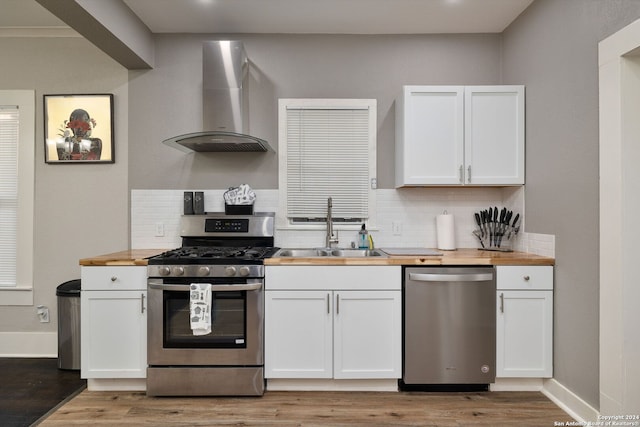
pixel 458 257
pixel 128 257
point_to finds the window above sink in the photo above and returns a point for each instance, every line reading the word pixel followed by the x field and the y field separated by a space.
pixel 326 148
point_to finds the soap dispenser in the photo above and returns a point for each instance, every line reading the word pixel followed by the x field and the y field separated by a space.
pixel 363 238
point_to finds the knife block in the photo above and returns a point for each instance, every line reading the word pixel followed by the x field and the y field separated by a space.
pixel 502 243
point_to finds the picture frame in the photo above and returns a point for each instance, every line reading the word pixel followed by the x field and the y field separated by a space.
pixel 78 129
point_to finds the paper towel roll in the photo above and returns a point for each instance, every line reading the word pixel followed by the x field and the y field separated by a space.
pixel 445 231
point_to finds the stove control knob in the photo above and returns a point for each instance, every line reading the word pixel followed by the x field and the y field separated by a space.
pixel 178 271
pixel 230 271
pixel 244 271
pixel 203 271
pixel 164 271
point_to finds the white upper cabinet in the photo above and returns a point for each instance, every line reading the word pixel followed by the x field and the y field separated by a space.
pixel 460 135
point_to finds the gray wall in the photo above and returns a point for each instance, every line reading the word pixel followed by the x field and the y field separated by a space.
pixel 167 100
pixel 80 210
pixel 552 49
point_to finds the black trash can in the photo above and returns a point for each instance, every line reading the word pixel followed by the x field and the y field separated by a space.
pixel 68 295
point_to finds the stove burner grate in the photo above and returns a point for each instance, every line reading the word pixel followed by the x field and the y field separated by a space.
pixel 208 252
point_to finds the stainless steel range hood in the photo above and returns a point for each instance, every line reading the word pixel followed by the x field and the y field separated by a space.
pixel 225 103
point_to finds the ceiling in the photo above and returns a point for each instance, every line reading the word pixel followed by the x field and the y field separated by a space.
pixel 296 16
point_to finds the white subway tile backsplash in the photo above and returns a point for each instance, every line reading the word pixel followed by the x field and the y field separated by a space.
pixel 415 209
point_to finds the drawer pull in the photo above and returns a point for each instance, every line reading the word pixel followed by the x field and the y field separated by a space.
pixel 114 278
pixel 527 278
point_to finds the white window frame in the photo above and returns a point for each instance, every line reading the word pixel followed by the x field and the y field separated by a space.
pixel 282 220
pixel 22 292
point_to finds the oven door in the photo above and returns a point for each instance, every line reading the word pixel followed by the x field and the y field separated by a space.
pixel 237 324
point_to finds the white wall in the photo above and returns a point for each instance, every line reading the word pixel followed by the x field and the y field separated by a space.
pixel 414 208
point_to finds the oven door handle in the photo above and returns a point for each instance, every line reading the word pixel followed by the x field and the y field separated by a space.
pixel 214 288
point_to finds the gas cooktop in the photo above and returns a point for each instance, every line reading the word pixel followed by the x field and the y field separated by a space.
pixel 213 255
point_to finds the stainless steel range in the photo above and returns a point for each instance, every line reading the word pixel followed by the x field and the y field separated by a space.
pixel 225 253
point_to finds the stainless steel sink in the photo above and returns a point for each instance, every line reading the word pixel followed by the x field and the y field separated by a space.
pixel 301 253
pixel 355 253
pixel 325 252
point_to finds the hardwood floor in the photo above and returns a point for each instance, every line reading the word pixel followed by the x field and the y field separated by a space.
pixel 311 409
pixel 29 388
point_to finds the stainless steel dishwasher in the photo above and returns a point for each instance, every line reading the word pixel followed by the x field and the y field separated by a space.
pixel 449 328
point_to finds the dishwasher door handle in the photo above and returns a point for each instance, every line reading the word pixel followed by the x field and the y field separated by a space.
pixel 433 277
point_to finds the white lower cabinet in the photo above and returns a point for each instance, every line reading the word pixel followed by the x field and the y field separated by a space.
pixel 349 330
pixel 113 322
pixel 298 334
pixel 524 321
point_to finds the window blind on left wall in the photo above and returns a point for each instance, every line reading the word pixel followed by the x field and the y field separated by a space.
pixel 9 136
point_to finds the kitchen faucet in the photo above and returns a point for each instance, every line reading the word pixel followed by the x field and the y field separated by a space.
pixel 330 238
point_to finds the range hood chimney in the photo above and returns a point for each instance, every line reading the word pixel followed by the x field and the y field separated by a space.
pixel 225 103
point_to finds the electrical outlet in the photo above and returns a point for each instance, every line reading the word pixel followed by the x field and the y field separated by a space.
pixel 396 228
pixel 159 229
pixel 43 313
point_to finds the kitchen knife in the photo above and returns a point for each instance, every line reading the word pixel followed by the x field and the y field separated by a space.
pixel 503 216
pixel 513 230
pixel 477 234
pixel 516 227
pixel 490 220
pixel 484 216
pixel 478 221
pixel 505 226
pixel 495 226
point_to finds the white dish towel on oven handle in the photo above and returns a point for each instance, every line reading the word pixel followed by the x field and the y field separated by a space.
pixel 200 308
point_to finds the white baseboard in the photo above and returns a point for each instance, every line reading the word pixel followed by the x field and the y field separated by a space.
pixel 517 384
pixel 117 384
pixel 569 402
pixel 278 384
pixel 29 344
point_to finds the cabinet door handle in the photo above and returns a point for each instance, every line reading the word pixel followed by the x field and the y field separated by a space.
pixel 502 303
pixel 337 303
pixel 461 173
pixel 328 303
pixel 142 303
pixel 469 174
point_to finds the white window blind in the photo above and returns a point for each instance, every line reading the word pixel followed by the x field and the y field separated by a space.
pixel 9 123
pixel 328 150
pixel 17 171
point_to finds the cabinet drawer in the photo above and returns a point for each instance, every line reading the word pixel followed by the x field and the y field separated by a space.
pixel 524 277
pixel 114 278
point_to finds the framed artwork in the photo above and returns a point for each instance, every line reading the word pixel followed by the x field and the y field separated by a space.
pixel 78 129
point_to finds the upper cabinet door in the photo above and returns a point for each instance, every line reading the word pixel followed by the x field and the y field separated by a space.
pixel 430 135
pixel 460 135
pixel 494 135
